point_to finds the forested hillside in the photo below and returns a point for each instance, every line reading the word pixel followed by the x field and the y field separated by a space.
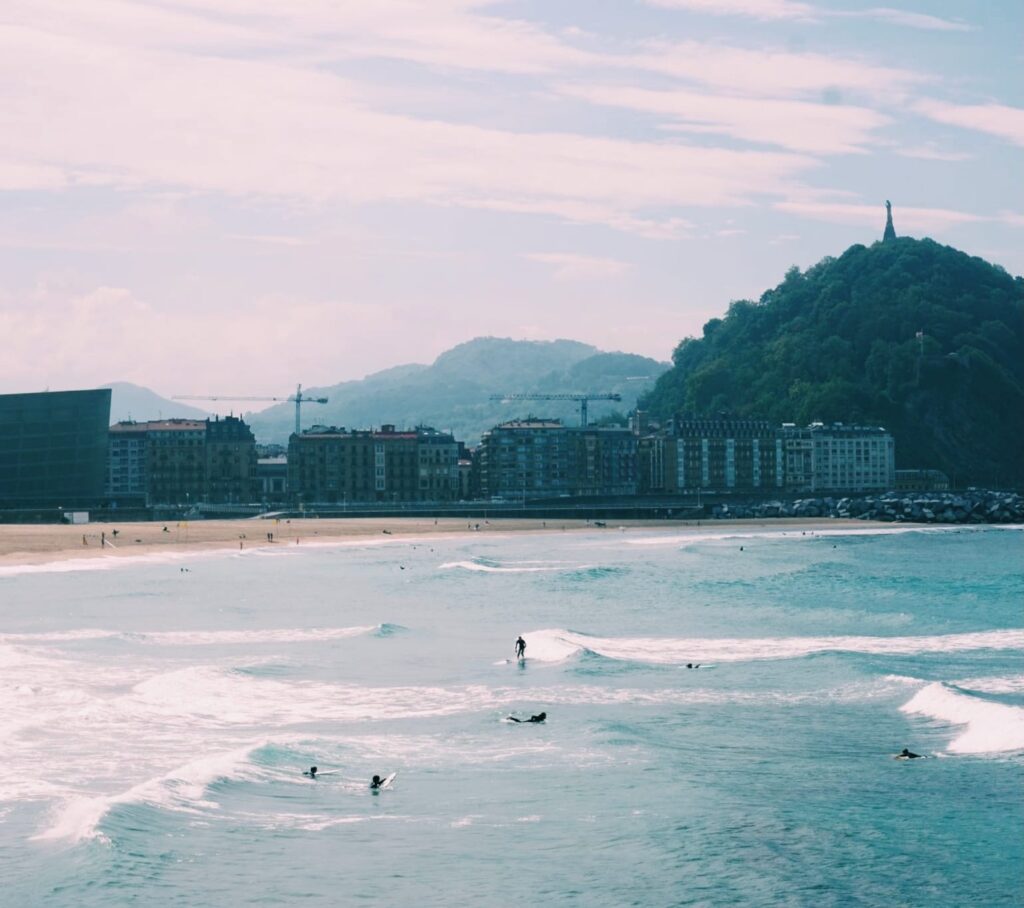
pixel 921 338
pixel 454 391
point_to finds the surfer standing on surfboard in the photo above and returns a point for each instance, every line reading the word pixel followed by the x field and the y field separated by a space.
pixel 520 648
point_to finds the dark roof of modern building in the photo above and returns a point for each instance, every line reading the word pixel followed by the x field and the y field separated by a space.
pixel 160 425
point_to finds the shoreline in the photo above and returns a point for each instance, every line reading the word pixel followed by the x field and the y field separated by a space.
pixel 22 544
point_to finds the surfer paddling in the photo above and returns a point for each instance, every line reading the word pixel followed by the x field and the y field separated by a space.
pixel 311 772
pixel 520 648
pixel 907 755
pixel 536 720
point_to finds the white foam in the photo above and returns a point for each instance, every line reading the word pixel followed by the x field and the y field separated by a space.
pixel 556 645
pixel 58 636
pixel 110 562
pixel 199 638
pixel 793 532
pixel 1013 684
pixel 511 567
pixel 269 635
pixel 990 727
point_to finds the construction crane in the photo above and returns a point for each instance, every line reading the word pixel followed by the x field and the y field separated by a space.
pixel 298 398
pixel 582 398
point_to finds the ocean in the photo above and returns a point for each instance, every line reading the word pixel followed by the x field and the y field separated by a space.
pixel 157 714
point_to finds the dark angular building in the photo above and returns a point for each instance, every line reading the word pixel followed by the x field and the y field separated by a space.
pixel 53 448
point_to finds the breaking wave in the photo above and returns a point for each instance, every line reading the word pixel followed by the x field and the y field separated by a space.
pixel 554 645
pixel 491 566
pixel 182 790
pixel 989 727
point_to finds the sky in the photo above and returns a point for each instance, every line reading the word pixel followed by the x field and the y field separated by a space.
pixel 232 197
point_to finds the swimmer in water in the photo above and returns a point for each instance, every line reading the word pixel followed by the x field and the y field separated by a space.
pixel 536 720
pixel 311 772
pixel 907 755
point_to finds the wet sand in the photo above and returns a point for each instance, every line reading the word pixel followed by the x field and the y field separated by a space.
pixel 42 543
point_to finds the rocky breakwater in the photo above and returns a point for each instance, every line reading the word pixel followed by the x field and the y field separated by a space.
pixel 972 506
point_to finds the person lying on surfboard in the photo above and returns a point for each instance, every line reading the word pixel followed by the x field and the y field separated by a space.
pixel 311 772
pixel 520 648
pixel 540 717
pixel 907 755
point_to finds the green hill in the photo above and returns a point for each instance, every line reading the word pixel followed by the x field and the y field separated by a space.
pixel 840 343
pixel 453 392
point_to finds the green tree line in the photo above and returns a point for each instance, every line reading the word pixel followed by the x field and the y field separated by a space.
pixel 911 335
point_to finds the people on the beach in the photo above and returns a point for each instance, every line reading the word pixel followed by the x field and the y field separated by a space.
pixel 907 755
pixel 520 648
pixel 536 720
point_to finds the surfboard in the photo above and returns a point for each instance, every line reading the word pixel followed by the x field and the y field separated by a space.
pixel 388 780
pixel 320 772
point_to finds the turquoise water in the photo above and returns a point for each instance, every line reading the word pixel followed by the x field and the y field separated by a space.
pixel 155 723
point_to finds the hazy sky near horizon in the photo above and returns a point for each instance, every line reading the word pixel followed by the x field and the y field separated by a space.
pixel 224 196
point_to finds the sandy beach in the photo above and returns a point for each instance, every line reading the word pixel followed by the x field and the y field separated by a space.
pixel 41 543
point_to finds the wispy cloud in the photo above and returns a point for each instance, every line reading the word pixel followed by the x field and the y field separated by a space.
pixel 775 72
pixel 271 239
pixel 937 219
pixel 995 119
pixel 931 152
pixel 756 9
pixel 908 19
pixel 767 10
pixel 573 267
pixel 796 125
pixel 145 344
pixel 264 129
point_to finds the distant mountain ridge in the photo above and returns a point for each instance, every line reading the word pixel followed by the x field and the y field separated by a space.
pixel 908 334
pixel 128 401
pixel 453 392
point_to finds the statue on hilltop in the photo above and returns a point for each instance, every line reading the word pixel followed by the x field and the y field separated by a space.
pixel 890 231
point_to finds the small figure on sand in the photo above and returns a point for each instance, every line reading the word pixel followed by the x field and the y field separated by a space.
pixel 520 648
pixel 536 720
